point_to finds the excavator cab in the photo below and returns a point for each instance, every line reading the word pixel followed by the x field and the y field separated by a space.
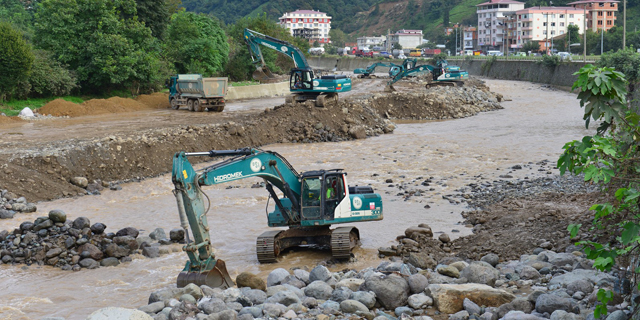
pixel 322 191
pixel 301 79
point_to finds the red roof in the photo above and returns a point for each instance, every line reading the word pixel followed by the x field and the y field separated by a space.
pixel 591 1
pixel 307 11
pixel 499 2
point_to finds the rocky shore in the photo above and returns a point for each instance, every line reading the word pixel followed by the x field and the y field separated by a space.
pixel 540 285
pixel 72 245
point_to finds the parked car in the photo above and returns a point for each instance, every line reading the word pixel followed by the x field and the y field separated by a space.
pixel 565 55
pixel 495 53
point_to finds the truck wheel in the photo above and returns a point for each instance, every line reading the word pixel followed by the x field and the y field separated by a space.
pixel 197 107
pixel 190 104
pixel 174 104
pixel 220 108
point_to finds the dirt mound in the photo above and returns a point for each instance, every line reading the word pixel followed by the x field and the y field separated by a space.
pixel 156 100
pixel 5 119
pixel 435 104
pixel 60 107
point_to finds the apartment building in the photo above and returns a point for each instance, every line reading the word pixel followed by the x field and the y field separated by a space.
pixel 492 16
pixel 470 40
pixel 601 14
pixel 542 24
pixel 308 24
pixel 408 39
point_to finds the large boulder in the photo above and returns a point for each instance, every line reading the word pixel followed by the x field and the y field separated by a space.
pixel 277 277
pixel 491 258
pixel 367 298
pixel 449 298
pixel 551 302
pixel 286 298
pixel 94 252
pixel 419 301
pixel 248 279
pixel 592 276
pixel 581 285
pixel 128 232
pixel 480 272
pixel 529 273
pixel 57 216
pixel 414 232
pixel 352 306
pixel 417 283
pixel 319 273
pixel 352 283
pixel 81 223
pixel 319 290
pixel 391 291
pixel 420 260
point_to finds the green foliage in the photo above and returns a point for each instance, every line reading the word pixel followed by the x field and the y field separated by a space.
pixel 196 44
pixel 533 46
pixel 155 15
pixel 16 60
pixel 550 61
pixel 240 67
pixel 49 78
pixel 101 40
pixel 15 13
pixel 338 37
pixel 486 65
pixel 608 158
pixel 397 46
pixel 626 61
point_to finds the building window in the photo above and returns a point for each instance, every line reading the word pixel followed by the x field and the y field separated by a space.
pixel 562 16
pixel 561 31
pixel 612 5
pixel 562 24
pixel 553 24
pixel 608 22
pixel 544 31
pixel 599 13
pixel 609 13
pixel 600 22
pixel 570 23
pixel 570 16
pixel 544 24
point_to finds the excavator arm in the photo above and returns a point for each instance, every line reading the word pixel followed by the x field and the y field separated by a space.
pixel 408 72
pixel 372 68
pixel 203 267
pixel 255 39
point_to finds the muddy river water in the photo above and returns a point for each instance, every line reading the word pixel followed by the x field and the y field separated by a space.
pixel 532 127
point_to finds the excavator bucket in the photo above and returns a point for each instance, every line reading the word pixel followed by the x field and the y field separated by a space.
pixel 217 277
pixel 263 74
pixel 389 88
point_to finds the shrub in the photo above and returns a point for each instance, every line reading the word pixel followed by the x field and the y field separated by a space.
pixel 49 78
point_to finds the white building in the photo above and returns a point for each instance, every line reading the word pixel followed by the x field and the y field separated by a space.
pixel 408 39
pixel 541 24
pixel 491 22
pixel 366 42
pixel 309 24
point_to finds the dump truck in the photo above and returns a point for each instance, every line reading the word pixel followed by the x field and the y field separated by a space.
pixel 197 93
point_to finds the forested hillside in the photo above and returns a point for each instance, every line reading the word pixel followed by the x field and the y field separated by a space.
pixel 230 11
pixel 374 17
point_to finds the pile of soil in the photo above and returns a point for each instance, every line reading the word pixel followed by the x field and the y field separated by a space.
pixel 60 107
pixel 5 119
pixel 157 100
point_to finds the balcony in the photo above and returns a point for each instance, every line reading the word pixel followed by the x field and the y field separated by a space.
pixel 526 28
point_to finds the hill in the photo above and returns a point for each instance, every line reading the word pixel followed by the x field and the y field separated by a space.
pixel 374 17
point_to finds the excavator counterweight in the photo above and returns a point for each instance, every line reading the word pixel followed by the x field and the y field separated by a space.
pixel 309 204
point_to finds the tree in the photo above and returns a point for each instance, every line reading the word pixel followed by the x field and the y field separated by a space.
pixel 196 44
pixel 240 66
pixel 533 46
pixel 49 78
pixel 316 44
pixel 397 46
pixel 16 59
pixel 338 37
pixel 14 12
pixel 102 41
pixel 155 15
pixel 173 6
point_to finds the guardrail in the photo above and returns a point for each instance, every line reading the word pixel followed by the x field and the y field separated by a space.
pixel 574 58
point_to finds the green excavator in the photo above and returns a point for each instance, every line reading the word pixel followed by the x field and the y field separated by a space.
pixel 303 84
pixel 367 73
pixel 442 75
pixel 310 203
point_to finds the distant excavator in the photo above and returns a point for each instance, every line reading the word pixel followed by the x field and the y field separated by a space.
pixel 303 85
pixel 312 201
pixel 442 75
pixel 394 69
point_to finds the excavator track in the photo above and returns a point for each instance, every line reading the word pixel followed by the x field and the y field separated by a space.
pixel 343 240
pixel 267 246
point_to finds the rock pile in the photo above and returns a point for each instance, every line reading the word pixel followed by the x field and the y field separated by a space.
pixel 72 245
pixel 561 285
pixel 10 204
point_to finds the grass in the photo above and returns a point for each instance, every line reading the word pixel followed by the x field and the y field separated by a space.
pixel 13 107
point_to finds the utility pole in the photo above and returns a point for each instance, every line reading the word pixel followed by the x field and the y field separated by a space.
pixel 584 32
pixel 546 41
pixel 602 39
pixel 624 25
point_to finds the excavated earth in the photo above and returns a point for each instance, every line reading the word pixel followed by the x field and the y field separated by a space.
pixel 44 171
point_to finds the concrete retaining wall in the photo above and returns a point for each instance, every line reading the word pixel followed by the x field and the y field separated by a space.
pixel 561 75
pixel 258 91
